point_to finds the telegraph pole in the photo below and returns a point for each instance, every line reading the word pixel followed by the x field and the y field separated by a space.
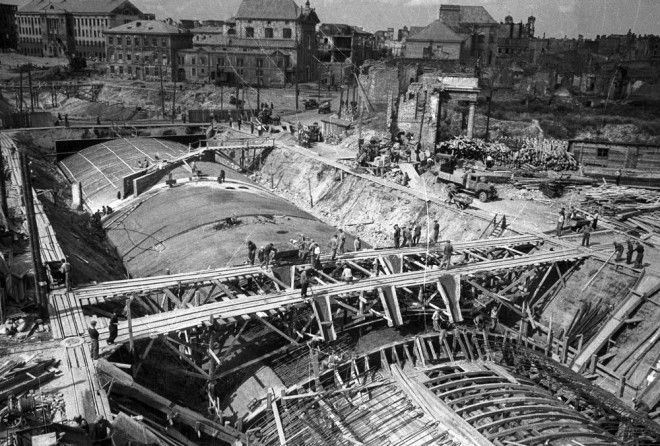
pixel 490 101
pixel 173 100
pixel 20 92
pixel 162 92
pixel 39 276
pixel 30 86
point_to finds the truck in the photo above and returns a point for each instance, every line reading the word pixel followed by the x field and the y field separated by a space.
pixel 471 183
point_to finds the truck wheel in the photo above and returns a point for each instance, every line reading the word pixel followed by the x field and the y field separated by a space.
pixel 483 196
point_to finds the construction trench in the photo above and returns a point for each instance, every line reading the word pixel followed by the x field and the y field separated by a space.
pixel 524 338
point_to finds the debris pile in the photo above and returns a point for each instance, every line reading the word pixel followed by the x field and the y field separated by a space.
pixel 548 154
pixel 633 209
pixel 20 405
pixel 475 149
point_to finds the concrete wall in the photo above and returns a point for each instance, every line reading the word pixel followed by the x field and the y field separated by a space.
pixel 145 182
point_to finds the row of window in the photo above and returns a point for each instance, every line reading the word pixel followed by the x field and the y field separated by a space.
pixel 89 33
pixel 220 61
pixel 22 30
pixel 269 33
pixel 137 41
pixel 92 22
pixel 120 69
pixel 119 57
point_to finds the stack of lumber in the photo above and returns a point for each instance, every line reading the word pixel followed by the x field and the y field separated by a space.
pixel 631 208
pixel 19 377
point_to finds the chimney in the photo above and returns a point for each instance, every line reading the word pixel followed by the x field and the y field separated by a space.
pixel 450 14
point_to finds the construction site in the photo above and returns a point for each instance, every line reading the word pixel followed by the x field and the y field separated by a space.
pixel 317 266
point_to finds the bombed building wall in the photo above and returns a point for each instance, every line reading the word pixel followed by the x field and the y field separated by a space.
pixel 379 80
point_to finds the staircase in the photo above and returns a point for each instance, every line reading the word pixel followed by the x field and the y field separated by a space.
pixel 495 227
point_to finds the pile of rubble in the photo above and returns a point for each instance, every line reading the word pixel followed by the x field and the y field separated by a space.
pixel 21 403
pixel 475 149
pixel 633 209
pixel 548 154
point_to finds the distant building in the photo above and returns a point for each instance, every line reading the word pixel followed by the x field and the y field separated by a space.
pixel 403 33
pixel 478 29
pixel 8 35
pixel 338 42
pixel 56 28
pixel 435 42
pixel 145 49
pixel 514 39
pixel 268 42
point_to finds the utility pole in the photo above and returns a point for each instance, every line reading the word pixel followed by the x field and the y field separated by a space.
pixel 490 101
pixel 162 92
pixel 20 92
pixel 3 187
pixel 174 101
pixel 39 276
pixel 258 94
pixel 341 102
pixel 30 86
pixel 222 97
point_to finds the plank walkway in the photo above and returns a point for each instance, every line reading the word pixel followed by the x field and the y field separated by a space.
pixel 51 251
pixel 180 319
pixel 96 294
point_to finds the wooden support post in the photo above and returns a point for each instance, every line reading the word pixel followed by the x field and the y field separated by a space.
pixel 129 320
pixel 276 416
pixel 622 385
pixel 143 356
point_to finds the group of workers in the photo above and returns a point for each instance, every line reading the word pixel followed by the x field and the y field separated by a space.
pixel 266 254
pixel 411 236
pixel 591 224
pixel 631 247
pixel 113 330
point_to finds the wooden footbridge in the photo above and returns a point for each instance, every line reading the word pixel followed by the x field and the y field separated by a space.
pixel 389 285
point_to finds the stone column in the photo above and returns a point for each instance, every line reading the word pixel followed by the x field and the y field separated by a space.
pixel 470 123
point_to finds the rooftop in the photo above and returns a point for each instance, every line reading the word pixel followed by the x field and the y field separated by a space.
pixel 269 9
pixel 466 15
pixel 78 6
pixel 148 27
pixel 436 32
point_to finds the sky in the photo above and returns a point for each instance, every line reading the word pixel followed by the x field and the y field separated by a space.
pixel 555 18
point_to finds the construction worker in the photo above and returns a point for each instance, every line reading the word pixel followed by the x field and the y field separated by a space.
pixel 272 252
pixel 436 231
pixel 347 274
pixel 302 249
pixel 436 318
pixel 630 248
pixel 357 244
pixel 304 282
pixel 94 337
pixel 618 250
pixel 407 236
pixel 417 234
pixel 113 327
pixel 65 269
pixel 262 256
pixel 342 241
pixel 397 236
pixel 618 177
pixel 594 224
pixel 334 245
pixel 252 251
pixel 446 255
pixel 312 247
pixel 221 177
pixel 317 257
pixel 639 259
pixel 560 222
pixel 586 234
